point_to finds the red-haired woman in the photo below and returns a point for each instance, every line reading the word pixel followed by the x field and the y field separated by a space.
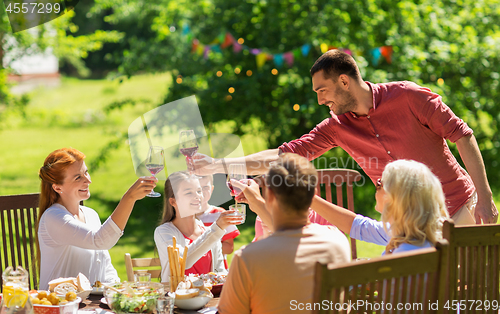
pixel 71 238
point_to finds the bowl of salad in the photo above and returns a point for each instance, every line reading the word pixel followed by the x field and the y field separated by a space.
pixel 128 297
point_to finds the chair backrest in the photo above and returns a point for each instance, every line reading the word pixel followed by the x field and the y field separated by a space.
pixel 18 216
pixel 130 263
pixel 406 282
pixel 327 179
pixel 474 263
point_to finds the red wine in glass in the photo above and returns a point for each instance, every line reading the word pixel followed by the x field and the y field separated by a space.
pixel 155 163
pixel 234 190
pixel 154 168
pixel 189 152
pixel 188 146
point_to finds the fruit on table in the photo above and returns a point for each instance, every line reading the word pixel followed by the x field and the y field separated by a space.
pixel 18 300
pixel 53 298
pixel 70 296
pixel 42 295
pixel 14 296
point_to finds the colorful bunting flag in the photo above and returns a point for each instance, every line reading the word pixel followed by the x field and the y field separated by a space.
pixel 200 49
pixel 185 29
pixel 228 41
pixel 305 49
pixel 288 58
pixel 237 47
pixel 376 55
pixel 195 45
pixel 255 51
pixel 261 59
pixel 386 52
pixel 224 40
pixel 323 47
pixel 348 51
pixel 278 60
pixel 216 48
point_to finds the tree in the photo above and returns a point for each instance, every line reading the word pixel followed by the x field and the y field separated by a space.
pixel 449 46
pixel 56 34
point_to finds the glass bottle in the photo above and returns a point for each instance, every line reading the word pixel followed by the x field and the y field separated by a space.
pixel 15 292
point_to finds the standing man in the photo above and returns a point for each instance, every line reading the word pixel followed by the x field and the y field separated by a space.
pixel 379 123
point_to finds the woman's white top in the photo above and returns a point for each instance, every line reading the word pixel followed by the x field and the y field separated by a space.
pixel 209 240
pixel 69 246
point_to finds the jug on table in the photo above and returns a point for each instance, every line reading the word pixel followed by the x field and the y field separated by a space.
pixel 15 292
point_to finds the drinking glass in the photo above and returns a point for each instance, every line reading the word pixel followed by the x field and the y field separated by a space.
pixel 240 211
pixel 165 304
pixel 237 172
pixel 155 163
pixel 142 276
pixel 188 146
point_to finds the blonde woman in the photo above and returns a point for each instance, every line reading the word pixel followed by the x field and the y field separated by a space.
pixel 412 203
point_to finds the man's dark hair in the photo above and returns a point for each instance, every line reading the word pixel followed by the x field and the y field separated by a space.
pixel 293 180
pixel 333 63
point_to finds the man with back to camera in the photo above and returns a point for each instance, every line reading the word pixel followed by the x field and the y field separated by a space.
pixel 276 274
pixel 379 123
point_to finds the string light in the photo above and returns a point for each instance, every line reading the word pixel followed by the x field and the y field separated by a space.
pixel 237 70
pixel 274 71
pixel 249 73
pixel 231 90
pixel 229 98
pixel 440 81
pixel 219 73
pixel 179 79
pixel 296 107
pixel 241 41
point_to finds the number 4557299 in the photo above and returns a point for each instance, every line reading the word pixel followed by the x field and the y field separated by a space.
pixel 34 8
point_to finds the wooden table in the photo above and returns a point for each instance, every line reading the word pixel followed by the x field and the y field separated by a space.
pixel 93 303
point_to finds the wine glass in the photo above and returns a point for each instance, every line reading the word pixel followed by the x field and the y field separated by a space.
pixel 236 172
pixel 155 164
pixel 188 146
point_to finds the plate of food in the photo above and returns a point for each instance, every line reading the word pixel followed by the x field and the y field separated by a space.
pixel 80 285
pixel 216 280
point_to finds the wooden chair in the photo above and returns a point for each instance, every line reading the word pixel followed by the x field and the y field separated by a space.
pixel 408 282
pixel 130 263
pixel 337 177
pixel 474 264
pixel 18 215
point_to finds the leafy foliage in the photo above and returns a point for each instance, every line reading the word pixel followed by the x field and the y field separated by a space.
pixel 450 46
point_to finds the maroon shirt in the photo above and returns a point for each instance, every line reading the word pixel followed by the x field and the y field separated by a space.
pixel 407 121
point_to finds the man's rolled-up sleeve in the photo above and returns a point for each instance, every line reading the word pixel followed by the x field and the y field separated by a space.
pixel 313 144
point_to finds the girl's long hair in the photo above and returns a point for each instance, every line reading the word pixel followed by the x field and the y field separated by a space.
pixel 53 172
pixel 416 206
pixel 173 180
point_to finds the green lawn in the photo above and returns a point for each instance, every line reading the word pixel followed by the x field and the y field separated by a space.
pixel 72 115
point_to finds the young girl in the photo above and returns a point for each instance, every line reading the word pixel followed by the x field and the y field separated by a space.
pixel 183 199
